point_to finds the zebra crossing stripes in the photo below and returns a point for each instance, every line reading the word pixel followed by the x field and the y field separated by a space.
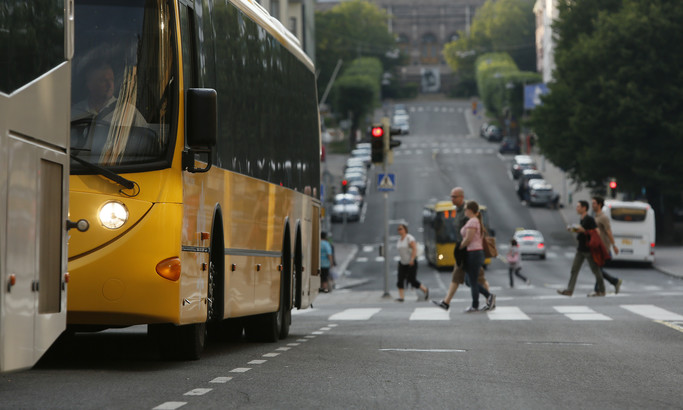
pixel 429 313
pixel 355 314
pixel 652 312
pixel 581 313
pixel 507 313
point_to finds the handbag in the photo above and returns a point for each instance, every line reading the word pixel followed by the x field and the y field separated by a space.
pixel 489 245
pixel 596 247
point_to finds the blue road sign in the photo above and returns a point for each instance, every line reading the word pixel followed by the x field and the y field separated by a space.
pixel 386 182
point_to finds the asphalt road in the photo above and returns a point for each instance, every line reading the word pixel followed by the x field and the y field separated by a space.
pixel 357 350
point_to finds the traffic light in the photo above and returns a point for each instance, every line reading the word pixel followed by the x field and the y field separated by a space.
pixel 377 144
pixel 345 186
pixel 613 187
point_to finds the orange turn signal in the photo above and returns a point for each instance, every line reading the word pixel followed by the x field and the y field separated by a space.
pixel 169 269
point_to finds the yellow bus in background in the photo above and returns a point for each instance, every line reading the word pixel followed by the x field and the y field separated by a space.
pixel 440 232
pixel 196 159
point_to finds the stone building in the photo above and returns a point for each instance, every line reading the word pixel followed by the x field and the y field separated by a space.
pixel 422 29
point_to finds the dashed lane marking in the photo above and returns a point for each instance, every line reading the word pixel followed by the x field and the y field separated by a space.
pixel 355 314
pixel 507 313
pixel 653 312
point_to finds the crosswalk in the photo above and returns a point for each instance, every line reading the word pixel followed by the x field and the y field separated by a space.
pixel 510 313
pixel 458 146
pixel 370 252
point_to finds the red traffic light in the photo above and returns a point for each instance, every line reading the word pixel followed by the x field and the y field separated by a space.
pixel 345 182
pixel 377 132
pixel 613 184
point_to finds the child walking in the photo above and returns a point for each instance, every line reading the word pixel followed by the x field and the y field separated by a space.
pixel 514 259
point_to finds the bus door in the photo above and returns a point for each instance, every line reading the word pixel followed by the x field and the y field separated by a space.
pixel 35 89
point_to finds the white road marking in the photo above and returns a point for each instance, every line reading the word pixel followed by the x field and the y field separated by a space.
pixel 425 350
pixel 507 313
pixel 581 313
pixel 355 314
pixel 652 312
pixel 271 355
pixel 429 313
pixel 170 405
pixel 259 361
pixel 223 379
pixel 197 392
pixel 240 370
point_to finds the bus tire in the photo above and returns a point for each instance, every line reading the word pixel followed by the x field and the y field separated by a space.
pixel 184 342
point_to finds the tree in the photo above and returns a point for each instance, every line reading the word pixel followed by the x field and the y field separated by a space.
pixel 348 31
pixel 357 90
pixel 498 26
pixel 616 106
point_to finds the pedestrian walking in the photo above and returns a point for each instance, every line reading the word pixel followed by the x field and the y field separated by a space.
pixel 458 275
pixel 583 252
pixel 326 262
pixel 605 230
pixel 472 234
pixel 407 264
pixel 514 259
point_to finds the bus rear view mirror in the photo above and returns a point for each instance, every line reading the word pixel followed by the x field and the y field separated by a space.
pixel 201 121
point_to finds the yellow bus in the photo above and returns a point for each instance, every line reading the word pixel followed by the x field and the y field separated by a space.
pixel 196 159
pixel 440 232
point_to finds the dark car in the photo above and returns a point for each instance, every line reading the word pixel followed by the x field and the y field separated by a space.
pixel 509 145
pixel 523 190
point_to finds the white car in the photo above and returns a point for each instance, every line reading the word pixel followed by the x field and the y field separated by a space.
pixel 345 206
pixel 530 242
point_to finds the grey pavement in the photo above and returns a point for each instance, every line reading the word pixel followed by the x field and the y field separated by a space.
pixel 668 259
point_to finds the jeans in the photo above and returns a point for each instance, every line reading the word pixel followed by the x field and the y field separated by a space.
pixel 475 260
pixel 579 257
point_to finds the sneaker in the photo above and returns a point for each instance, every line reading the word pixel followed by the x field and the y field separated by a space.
pixel 594 294
pixel 471 309
pixel 427 294
pixel 399 299
pixel 443 305
pixel 617 287
pixel 491 302
pixel 565 292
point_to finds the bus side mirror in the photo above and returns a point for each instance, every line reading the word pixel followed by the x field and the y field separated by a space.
pixel 201 119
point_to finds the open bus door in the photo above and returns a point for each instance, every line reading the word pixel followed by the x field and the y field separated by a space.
pixel 35 91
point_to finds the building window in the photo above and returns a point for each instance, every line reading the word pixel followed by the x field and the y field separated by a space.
pixel 275 9
pixel 292 25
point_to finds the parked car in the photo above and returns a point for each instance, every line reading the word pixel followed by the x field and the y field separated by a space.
pixel 530 242
pixel 493 133
pixel 345 206
pixel 363 154
pixel 357 180
pixel 356 162
pixel 520 163
pixel 523 184
pixel 357 195
pixel 541 192
pixel 482 129
pixel 510 145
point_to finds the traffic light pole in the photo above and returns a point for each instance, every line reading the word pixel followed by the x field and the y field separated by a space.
pixel 386 124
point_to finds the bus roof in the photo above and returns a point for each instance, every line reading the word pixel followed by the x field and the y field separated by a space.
pixel 261 16
pixel 612 203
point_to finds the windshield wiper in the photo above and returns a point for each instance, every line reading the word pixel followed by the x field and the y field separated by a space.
pixel 128 184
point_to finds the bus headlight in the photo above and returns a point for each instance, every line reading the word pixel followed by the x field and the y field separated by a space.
pixel 113 215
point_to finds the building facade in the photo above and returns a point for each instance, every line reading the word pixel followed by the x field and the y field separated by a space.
pixel 546 13
pixel 422 29
pixel 298 16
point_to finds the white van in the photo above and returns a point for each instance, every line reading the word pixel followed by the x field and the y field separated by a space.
pixel 633 227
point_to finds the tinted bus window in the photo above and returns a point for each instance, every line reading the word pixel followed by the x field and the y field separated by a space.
pixel 629 214
pixel 31 40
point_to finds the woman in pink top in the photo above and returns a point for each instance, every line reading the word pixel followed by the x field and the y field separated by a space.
pixel 472 241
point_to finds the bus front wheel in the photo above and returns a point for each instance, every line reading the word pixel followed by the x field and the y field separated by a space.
pixel 184 342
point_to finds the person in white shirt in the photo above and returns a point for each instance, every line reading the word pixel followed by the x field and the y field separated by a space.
pixel 407 265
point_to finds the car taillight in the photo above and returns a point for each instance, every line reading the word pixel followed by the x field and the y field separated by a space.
pixel 541 245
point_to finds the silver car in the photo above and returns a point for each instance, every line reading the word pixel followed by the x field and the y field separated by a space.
pixel 345 206
pixel 540 192
pixel 530 242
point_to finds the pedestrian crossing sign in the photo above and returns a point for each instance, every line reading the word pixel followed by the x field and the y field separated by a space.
pixel 386 182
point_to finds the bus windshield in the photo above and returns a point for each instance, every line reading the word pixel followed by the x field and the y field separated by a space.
pixel 122 84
